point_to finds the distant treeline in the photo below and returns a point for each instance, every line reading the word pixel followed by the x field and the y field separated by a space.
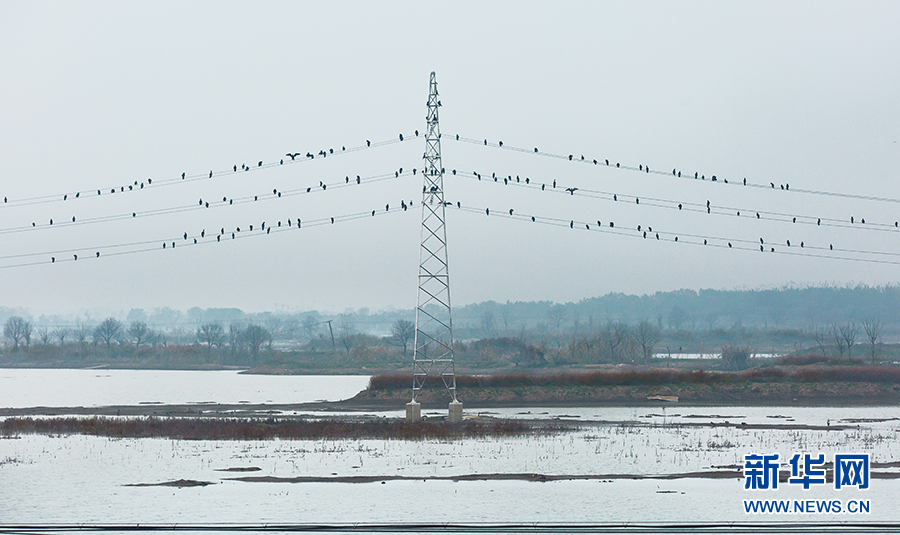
pixel 787 308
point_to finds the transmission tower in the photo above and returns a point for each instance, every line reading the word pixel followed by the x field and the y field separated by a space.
pixel 434 327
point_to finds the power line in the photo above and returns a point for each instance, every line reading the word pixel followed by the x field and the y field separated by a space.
pixel 135 186
pixel 674 173
pixel 692 239
pixel 686 206
pixel 94 253
pixel 202 205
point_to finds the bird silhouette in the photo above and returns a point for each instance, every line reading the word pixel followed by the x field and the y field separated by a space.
pixel 76 257
pixel 235 168
pixel 788 243
pixel 679 206
pixel 487 211
pixel 611 224
pixel 745 181
pixel 500 143
pixel 640 166
pixel 543 186
pixel 571 190
pixel 831 247
pixel 851 219
pixel 293 155
pixel 332 221
pixel 819 222
pixel 401 137
pixel 458 204
pixel 572 224
pixel 532 219
pixel 357 179
pixel 368 143
pixel 510 211
pixel 219 238
pixel 182 176
pixel 210 174
pixel 615 197
pixel 52 259
pixel 554 182
pixel 729 245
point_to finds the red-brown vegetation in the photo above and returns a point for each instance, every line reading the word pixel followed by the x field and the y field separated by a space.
pixel 258 429
pixel 654 377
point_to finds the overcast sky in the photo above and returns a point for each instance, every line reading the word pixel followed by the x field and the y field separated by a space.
pixel 97 95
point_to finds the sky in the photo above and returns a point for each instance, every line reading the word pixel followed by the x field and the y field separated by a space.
pixel 103 95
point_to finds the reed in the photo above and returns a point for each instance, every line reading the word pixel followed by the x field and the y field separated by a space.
pixel 655 377
pixel 258 428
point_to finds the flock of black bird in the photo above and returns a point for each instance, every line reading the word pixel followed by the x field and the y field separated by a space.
pixel 643 232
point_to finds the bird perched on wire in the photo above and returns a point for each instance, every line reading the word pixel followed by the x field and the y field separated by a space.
pixel 571 190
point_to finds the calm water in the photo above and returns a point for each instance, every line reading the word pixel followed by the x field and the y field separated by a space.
pixel 86 479
pixel 93 388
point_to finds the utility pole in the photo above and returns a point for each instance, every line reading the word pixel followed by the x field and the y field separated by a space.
pixel 434 327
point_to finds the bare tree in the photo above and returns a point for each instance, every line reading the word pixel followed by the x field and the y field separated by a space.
pixel 849 333
pixel 677 317
pixel 61 333
pixel 838 338
pixel 81 333
pixel 234 339
pixel 402 332
pixel 613 334
pixel 44 335
pixel 15 329
pixel 211 334
pixel 873 329
pixel 821 337
pixel 108 330
pixel 346 330
pixel 138 333
pixel 558 315
pixel 647 336
pixel 255 336
pixel 309 325
pixel 488 324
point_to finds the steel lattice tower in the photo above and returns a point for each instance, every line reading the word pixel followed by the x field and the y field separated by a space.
pixel 434 327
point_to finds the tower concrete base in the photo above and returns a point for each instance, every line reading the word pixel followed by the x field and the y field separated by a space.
pixel 413 411
pixel 456 411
